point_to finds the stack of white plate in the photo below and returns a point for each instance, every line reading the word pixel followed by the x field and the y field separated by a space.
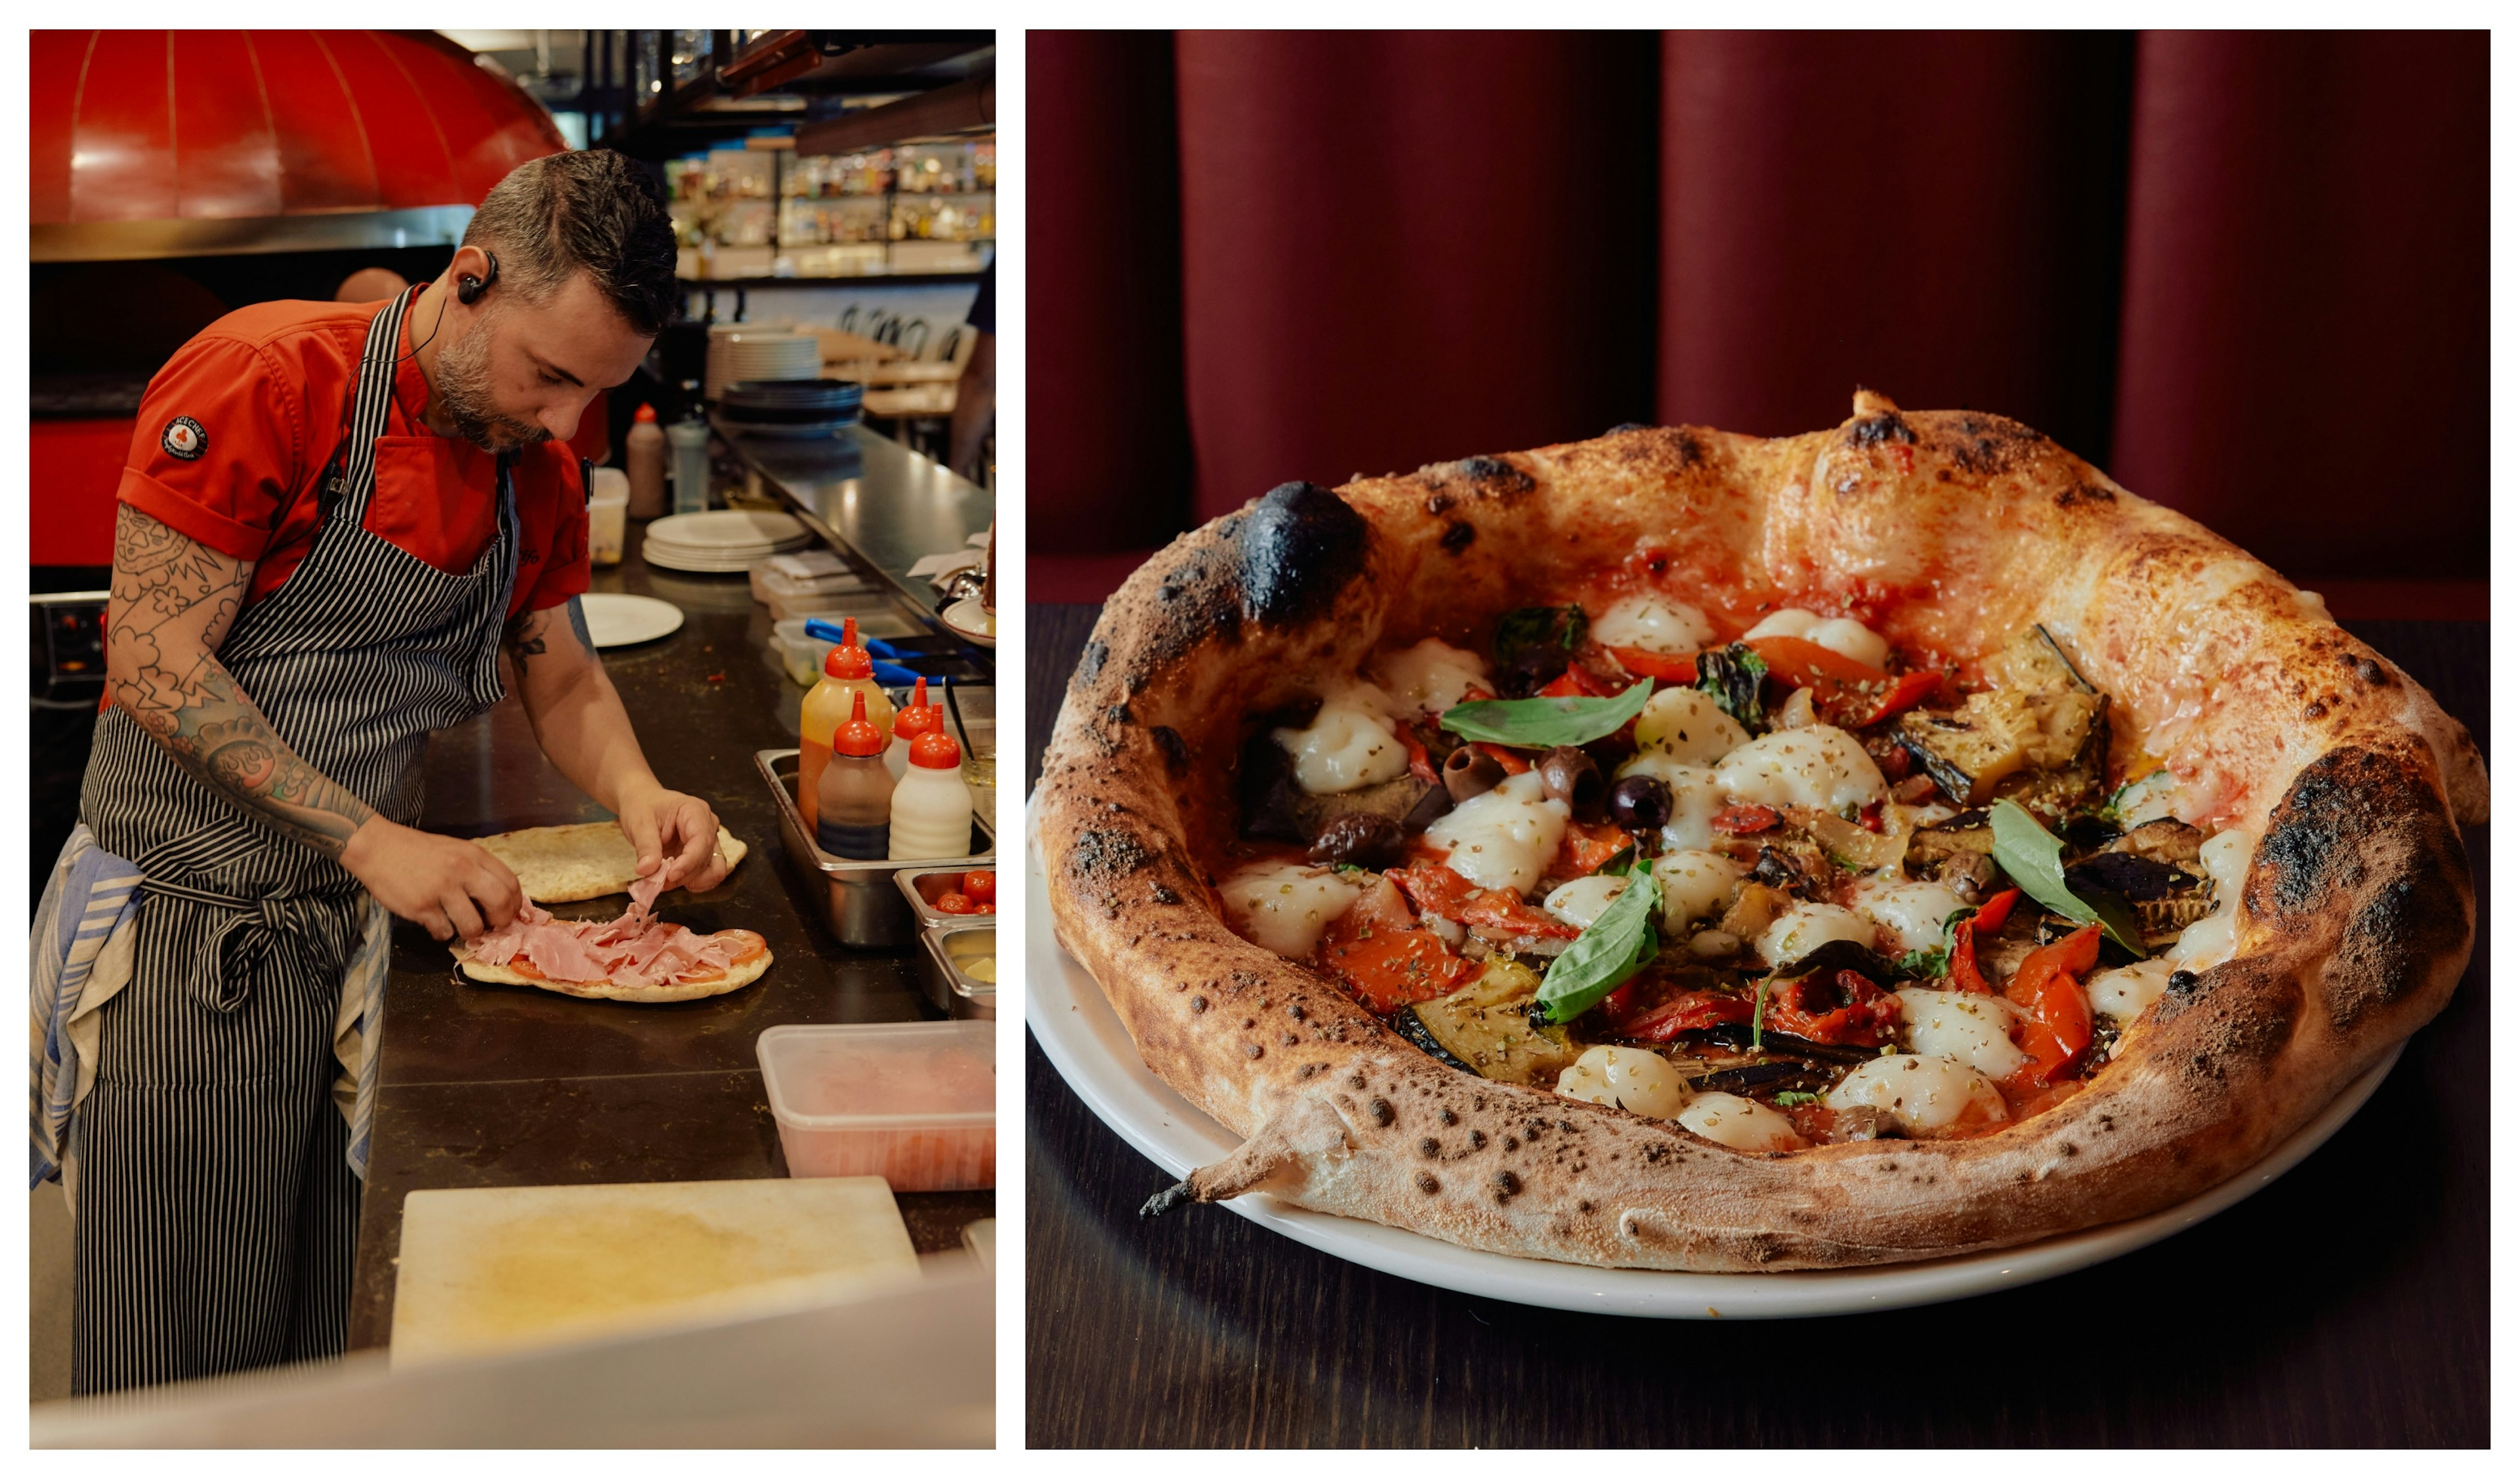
pixel 773 354
pixel 722 542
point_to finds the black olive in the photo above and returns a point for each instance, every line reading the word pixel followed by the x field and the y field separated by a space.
pixel 1533 668
pixel 1362 839
pixel 1429 810
pixel 1568 775
pixel 1471 771
pixel 1641 804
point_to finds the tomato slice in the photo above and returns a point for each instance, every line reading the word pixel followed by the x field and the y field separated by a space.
pixel 1377 949
pixel 1805 663
pixel 1438 890
pixel 1743 821
pixel 1848 1011
pixel 1687 1012
pixel 1586 846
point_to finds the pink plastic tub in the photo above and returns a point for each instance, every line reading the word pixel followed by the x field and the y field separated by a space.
pixel 914 1102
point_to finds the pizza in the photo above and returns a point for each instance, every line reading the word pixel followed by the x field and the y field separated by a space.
pixel 1685 850
pixel 635 958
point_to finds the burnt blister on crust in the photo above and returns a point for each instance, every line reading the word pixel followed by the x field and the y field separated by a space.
pixel 1884 427
pixel 1479 476
pixel 1102 856
pixel 1297 551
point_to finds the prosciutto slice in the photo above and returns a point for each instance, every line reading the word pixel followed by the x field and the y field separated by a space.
pixel 633 950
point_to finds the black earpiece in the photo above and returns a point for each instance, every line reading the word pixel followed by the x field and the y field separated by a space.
pixel 469 289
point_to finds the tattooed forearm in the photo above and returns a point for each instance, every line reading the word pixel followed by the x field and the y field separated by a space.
pixel 172 604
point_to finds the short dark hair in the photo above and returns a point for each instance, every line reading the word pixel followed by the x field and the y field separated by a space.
pixel 591 211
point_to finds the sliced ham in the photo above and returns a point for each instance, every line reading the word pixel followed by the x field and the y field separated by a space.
pixel 633 950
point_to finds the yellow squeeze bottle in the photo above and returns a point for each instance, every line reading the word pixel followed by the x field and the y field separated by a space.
pixel 847 671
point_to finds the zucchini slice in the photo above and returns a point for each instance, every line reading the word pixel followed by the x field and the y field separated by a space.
pixel 1486 1028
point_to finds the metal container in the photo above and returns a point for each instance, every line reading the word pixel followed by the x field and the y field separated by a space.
pixel 944 969
pixel 860 901
pixel 923 886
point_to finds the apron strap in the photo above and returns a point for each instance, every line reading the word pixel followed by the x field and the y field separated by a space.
pixel 315 927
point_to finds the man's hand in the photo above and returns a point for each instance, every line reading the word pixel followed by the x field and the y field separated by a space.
pixel 448 884
pixel 675 836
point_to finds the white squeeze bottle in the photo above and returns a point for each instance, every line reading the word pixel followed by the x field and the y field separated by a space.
pixel 931 807
pixel 919 717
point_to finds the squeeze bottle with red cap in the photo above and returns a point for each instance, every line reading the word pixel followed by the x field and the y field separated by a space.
pixel 919 718
pixel 847 670
pixel 931 807
pixel 644 451
pixel 854 792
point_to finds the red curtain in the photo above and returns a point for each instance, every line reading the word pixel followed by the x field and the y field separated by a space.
pixel 2246 274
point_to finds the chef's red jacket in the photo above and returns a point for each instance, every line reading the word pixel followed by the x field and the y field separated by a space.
pixel 260 400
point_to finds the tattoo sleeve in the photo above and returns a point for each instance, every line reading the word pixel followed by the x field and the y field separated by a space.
pixel 172 606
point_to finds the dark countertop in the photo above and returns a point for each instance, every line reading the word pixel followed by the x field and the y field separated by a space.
pixel 500 1086
pixel 2345 1305
pixel 866 494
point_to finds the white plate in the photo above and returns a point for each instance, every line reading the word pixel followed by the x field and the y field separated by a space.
pixel 1082 1038
pixel 620 620
pixel 724 528
pixel 967 619
pixel 712 565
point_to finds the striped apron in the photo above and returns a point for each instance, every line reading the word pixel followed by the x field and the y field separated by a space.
pixel 217 1214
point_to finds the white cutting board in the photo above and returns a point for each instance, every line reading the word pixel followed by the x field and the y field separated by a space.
pixel 506 1267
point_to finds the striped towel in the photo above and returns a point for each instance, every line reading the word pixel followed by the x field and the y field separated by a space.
pixel 81 956
pixel 93 899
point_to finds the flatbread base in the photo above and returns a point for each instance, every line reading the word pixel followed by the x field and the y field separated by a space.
pixel 588 860
pixel 739 975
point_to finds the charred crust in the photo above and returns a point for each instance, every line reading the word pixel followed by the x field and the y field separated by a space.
pixel 1118 713
pixel 2350 811
pixel 1887 426
pixel 1380 1110
pixel 1163 895
pixel 1427 1183
pixel 1297 551
pixel 1176 751
pixel 1458 536
pixel 1624 427
pixel 1438 505
pixel 1088 665
pixel 1102 856
pixel 1174 1195
pixel 1431 1148
pixel 1507 1187
pixel 2083 493
pixel 1488 478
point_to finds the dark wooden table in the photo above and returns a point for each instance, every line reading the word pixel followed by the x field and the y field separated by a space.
pixel 508 1086
pixel 2345 1305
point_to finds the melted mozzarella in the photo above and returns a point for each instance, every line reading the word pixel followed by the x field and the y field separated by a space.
pixel 1793 621
pixel 1654 623
pixel 1695 885
pixel 2125 992
pixel 1806 927
pixel 1914 912
pixel 1963 1027
pixel 1926 1095
pixel 1685 724
pixel 1626 1078
pixel 1695 798
pixel 1502 838
pixel 1822 766
pixel 1849 639
pixel 1580 902
pixel 1727 1119
pixel 1350 743
pixel 1284 907
pixel 2208 942
pixel 1430 676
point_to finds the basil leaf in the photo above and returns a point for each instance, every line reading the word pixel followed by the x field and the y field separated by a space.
pixel 1561 627
pixel 1617 945
pixel 2030 853
pixel 1733 677
pixel 1925 964
pixel 1624 862
pixel 1545 723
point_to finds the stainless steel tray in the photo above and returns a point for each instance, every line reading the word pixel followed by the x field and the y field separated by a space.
pixel 920 884
pixel 948 985
pixel 861 905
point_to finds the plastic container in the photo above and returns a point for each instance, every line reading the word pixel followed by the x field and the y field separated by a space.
pixel 690 440
pixel 847 673
pixel 853 800
pixel 919 716
pixel 803 656
pixel 769 583
pixel 959 969
pixel 914 1102
pixel 643 452
pixel 608 516
pixel 831 607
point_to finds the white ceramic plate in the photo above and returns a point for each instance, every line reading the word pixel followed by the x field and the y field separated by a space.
pixel 670 559
pixel 727 529
pixel 970 620
pixel 1086 1043
pixel 620 620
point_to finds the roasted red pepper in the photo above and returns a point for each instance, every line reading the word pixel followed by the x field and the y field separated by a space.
pixel 1962 964
pixel 1687 1012
pixel 1911 690
pixel 2075 956
pixel 1992 913
pixel 1804 663
pixel 1661 668
pixel 1514 765
pixel 1377 949
pixel 1420 764
pixel 1440 892
pixel 1586 846
pixel 1743 821
pixel 2049 988
pixel 1846 1010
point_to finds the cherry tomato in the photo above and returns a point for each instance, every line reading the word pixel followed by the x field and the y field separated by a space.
pixel 986 909
pixel 954 903
pixel 980 885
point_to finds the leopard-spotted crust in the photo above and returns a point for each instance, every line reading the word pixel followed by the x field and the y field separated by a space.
pixel 1953 530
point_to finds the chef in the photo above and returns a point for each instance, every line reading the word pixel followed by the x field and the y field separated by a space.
pixel 333 519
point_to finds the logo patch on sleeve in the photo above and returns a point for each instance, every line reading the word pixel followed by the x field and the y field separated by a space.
pixel 184 438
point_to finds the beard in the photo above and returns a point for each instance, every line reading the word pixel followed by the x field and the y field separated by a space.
pixel 464 394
